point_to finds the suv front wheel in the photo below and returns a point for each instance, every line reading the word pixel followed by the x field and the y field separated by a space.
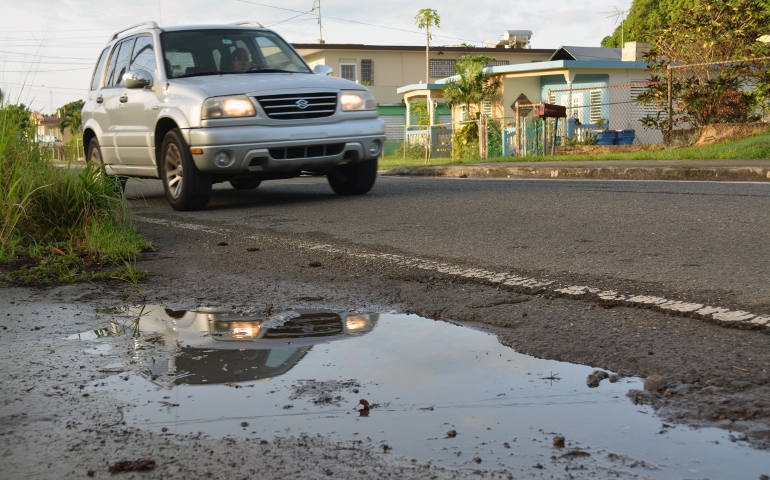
pixel 187 188
pixel 355 179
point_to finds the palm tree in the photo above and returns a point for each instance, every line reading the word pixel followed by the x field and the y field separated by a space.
pixel 426 18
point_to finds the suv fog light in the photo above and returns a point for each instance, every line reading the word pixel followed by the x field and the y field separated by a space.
pixel 223 159
pixel 374 148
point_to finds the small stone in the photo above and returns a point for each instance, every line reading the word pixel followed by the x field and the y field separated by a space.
pixel 244 424
pixel 477 459
pixel 613 378
pixel 592 381
pixel 558 441
pixel 314 264
pixel 451 433
pixel 222 244
pixel 252 249
pixel 164 429
pixel 654 383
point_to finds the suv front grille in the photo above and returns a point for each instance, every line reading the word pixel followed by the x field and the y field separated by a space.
pixel 306 151
pixel 299 105
pixel 314 325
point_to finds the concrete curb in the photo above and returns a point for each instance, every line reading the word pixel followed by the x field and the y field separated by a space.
pixel 734 174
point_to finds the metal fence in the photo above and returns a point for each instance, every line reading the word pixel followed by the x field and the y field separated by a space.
pixel 720 98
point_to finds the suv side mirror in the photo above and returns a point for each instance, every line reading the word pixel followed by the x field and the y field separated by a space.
pixel 137 79
pixel 323 70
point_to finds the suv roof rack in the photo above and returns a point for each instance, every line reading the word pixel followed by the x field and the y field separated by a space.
pixel 250 23
pixel 149 23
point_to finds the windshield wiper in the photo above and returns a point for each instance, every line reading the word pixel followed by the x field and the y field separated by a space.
pixel 268 70
pixel 196 74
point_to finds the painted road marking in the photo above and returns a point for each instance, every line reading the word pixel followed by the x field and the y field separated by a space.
pixel 720 315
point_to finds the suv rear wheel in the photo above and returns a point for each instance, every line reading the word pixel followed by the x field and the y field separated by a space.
pixel 355 179
pixel 187 188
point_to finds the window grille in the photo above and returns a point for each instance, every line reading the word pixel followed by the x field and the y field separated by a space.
pixel 486 108
pixel 367 72
pixel 348 71
pixel 441 68
pixel 595 106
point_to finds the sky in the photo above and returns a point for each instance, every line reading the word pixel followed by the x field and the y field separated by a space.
pixel 48 47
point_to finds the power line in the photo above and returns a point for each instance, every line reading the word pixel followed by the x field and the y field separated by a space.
pixel 386 27
pixel 45 71
pixel 26 85
pixel 43 56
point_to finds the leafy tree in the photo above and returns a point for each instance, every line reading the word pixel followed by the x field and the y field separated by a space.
pixel 426 18
pixel 70 115
pixel 712 31
pixel 469 90
pixel 645 19
pixel 17 115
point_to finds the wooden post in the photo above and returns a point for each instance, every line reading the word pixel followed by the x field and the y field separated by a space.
pixel 670 100
pixel 518 131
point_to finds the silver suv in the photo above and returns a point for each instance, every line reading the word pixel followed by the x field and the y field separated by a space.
pixel 199 105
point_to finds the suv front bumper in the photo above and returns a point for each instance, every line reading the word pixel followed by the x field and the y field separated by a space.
pixel 265 148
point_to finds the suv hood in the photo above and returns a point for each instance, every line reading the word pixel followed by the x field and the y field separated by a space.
pixel 262 83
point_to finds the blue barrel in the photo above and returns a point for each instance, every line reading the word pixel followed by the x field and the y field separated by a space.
pixel 607 137
pixel 625 137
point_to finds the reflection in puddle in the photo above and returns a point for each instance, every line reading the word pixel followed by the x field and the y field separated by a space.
pixel 430 390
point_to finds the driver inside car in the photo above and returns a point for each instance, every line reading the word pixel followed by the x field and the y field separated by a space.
pixel 241 60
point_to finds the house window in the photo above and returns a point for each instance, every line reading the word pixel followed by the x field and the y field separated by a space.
pixel 595 106
pixel 576 109
pixel 463 113
pixel 441 68
pixel 639 111
pixel 348 71
pixel 486 108
pixel 367 72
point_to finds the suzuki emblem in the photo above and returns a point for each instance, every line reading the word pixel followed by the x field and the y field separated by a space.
pixel 302 104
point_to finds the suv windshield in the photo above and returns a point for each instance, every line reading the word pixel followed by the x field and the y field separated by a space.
pixel 190 53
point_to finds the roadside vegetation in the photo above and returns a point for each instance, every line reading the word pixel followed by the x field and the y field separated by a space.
pixel 745 148
pixel 57 224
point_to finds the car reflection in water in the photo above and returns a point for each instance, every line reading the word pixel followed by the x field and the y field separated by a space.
pixel 209 346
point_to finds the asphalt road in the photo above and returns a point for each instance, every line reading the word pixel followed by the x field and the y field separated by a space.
pixel 698 241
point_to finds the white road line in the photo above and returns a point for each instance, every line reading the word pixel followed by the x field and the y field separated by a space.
pixel 720 315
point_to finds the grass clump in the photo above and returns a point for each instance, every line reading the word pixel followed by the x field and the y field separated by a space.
pixel 57 224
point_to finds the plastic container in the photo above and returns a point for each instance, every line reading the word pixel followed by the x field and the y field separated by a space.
pixel 607 137
pixel 625 137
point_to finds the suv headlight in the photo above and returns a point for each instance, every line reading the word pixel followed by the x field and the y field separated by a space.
pixel 228 107
pixel 357 100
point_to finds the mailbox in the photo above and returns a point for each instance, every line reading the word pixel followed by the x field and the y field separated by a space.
pixel 549 110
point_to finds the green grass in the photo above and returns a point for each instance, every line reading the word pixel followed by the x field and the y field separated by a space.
pixel 746 148
pixel 56 224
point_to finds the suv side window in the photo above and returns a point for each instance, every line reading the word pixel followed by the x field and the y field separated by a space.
pixel 96 78
pixel 120 65
pixel 144 55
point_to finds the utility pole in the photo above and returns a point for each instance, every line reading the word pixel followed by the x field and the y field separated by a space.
pixel 320 27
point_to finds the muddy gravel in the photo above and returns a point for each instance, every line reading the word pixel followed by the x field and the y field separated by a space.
pixel 56 423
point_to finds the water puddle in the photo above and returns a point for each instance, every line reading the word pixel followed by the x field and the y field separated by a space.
pixel 409 386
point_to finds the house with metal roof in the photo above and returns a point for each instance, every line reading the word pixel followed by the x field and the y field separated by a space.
pixel 597 85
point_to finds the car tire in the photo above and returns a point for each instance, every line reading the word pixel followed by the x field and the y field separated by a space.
pixel 245 183
pixel 94 156
pixel 186 187
pixel 355 179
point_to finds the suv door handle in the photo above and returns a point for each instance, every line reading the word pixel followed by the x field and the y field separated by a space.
pixel 99 99
pixel 123 98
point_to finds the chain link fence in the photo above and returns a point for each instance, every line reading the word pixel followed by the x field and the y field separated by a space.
pixel 616 115
pixel 727 91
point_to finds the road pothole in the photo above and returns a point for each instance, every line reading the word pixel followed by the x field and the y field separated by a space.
pixel 402 385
